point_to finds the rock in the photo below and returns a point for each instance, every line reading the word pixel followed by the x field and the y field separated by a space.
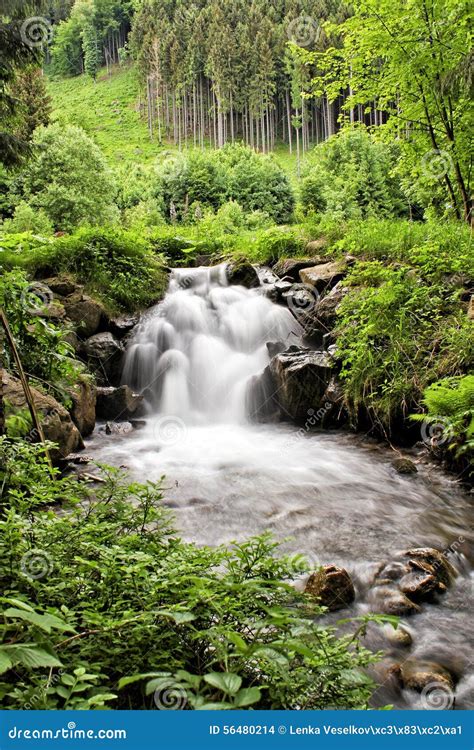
pixel 324 313
pixel 332 586
pixel 83 397
pixel 138 424
pixel 84 312
pixel 117 403
pixel 333 402
pixel 418 675
pixel 103 353
pixel 260 404
pixel 404 466
pixel 62 285
pixel 118 428
pixel 120 327
pixel 419 586
pixel 470 309
pixel 242 273
pixel 275 347
pixel 301 377
pixel 322 276
pixel 55 419
pixel 398 636
pixel 432 561
pixel 291 267
pixel 391 601
pixel 315 246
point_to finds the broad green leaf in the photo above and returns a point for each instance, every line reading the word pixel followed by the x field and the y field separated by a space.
pixel 5 662
pixel 247 696
pixel 32 656
pixel 228 682
pixel 17 603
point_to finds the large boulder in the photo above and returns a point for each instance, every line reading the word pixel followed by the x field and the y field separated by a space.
pixel 123 325
pixel 291 267
pixel 62 285
pixel 117 403
pixel 301 377
pixel 55 419
pixel 85 312
pixel 323 276
pixel 332 586
pixel 242 273
pixel 83 397
pixel 103 354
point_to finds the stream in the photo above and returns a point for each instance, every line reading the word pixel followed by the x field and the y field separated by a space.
pixel 329 495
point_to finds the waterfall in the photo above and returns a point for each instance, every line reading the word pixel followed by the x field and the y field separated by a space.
pixel 194 354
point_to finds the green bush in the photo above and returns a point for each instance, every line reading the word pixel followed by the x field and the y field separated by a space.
pixel 27 219
pixel 211 178
pixel 67 177
pixel 450 415
pixel 46 355
pixel 349 176
pixel 98 600
pixel 119 267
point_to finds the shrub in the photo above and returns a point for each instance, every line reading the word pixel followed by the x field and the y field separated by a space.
pixel 350 176
pixel 450 415
pixel 209 179
pixel 68 178
pixel 27 219
pixel 103 597
pixel 45 353
pixel 117 266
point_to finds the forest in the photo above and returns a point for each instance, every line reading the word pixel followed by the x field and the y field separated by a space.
pixel 237 392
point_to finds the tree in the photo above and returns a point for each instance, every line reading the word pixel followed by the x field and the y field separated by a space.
pixel 413 58
pixel 21 46
pixel 350 176
pixel 68 178
pixel 34 103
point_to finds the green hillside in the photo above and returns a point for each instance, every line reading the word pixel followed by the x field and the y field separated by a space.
pixel 109 111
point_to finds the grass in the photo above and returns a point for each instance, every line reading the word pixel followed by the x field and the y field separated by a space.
pixel 109 112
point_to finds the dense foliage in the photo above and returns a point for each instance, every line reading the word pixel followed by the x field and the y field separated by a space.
pixel 414 59
pixel 350 176
pixel 67 178
pixel 100 599
pixel 119 267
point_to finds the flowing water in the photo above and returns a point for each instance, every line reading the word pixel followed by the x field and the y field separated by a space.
pixel 329 495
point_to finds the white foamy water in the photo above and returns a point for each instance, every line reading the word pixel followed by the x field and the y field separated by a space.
pixel 325 494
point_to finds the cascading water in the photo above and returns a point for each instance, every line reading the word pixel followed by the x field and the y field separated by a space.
pixel 195 353
pixel 329 495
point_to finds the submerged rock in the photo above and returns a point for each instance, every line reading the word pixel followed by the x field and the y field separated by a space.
pixel 418 675
pixel 404 466
pixel 332 586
